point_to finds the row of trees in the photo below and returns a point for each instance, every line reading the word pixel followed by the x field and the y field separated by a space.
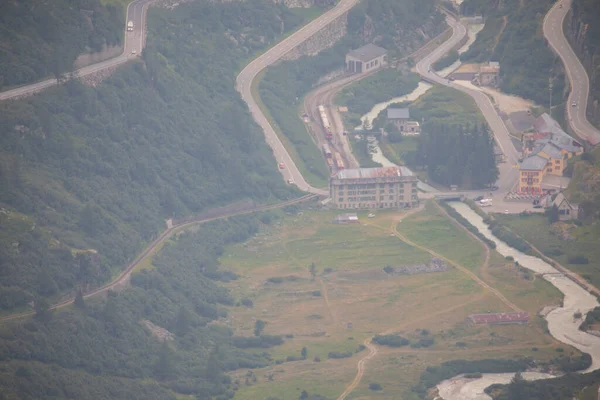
pixel 457 155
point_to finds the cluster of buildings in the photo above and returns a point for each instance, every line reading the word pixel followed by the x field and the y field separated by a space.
pixel 371 188
pixel 546 150
pixel 487 74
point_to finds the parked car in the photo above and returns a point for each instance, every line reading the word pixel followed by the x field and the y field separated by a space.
pixel 371 215
pixel 538 206
pixel 506 212
pixel 281 165
pixel 478 198
pixel 290 181
pixel 494 188
pixel 574 104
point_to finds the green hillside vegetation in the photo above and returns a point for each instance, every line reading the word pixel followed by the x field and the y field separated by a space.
pixel 361 96
pixel 393 22
pixel 526 62
pixel 106 341
pixel 588 12
pixel 446 61
pixel 102 168
pixel 584 187
pixel 570 386
pixel 42 39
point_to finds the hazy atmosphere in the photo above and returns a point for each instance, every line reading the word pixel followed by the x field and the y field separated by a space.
pixel 300 199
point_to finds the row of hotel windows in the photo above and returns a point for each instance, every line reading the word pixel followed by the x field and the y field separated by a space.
pixel 360 205
pixel 373 186
pixel 367 198
pixel 366 192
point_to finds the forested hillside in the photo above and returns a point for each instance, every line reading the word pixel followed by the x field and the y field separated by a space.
pixel 89 175
pixel 513 36
pixel 400 26
pixel 43 38
pixel 102 350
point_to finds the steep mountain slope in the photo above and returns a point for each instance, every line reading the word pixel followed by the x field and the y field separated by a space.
pixel 513 36
pixel 96 171
pixel 583 31
pixel 43 38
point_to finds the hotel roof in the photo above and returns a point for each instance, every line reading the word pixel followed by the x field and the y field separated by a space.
pixel 383 172
pixel 550 149
pixel 534 163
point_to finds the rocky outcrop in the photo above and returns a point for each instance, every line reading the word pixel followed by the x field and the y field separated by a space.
pixel 92 58
pixel 322 40
pixel 95 78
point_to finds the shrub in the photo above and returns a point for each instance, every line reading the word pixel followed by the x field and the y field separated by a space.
pixel 578 259
pixel 248 303
pixel 339 354
pixel 390 340
pixel 388 269
pixel 374 386
pixel 316 293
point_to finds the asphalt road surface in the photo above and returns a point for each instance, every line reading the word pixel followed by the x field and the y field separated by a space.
pixel 508 175
pixel 244 86
pixel 580 83
pixel 134 42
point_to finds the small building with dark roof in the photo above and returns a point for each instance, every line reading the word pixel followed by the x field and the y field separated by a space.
pixel 401 118
pixel 366 58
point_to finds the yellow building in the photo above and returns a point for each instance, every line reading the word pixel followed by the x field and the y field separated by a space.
pixel 546 159
pixel 547 152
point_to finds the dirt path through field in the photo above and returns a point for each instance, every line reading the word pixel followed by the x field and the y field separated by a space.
pixel 361 368
pixel 332 313
pixel 372 348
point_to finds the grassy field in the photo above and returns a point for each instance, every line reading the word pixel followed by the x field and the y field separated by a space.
pixel 396 152
pixel 351 298
pixel 537 230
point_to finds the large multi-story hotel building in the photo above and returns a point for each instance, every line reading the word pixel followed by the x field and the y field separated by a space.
pixel 370 188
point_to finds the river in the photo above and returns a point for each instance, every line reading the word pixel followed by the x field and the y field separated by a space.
pixel 561 323
pixel 421 88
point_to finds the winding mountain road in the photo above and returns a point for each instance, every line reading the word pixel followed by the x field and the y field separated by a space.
pixel 133 44
pixel 246 77
pixel 508 175
pixel 580 82
pixel 150 249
